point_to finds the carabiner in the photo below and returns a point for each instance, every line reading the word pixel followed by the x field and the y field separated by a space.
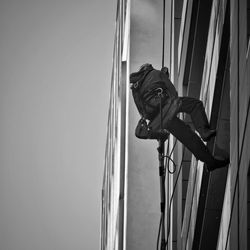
pixel 160 91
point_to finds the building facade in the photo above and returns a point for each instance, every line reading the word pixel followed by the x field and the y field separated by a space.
pixel 207 52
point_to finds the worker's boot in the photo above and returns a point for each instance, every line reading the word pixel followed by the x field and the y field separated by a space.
pixel 217 163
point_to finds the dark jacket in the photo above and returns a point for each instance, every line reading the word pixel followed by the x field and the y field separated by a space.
pixel 145 85
pixel 158 79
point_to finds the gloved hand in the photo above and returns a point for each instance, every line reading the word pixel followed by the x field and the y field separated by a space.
pixel 143 131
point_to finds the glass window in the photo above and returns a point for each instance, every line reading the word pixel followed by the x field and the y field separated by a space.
pixel 248 20
pixel 248 209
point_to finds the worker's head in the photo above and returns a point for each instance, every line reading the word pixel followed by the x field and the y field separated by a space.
pixel 145 66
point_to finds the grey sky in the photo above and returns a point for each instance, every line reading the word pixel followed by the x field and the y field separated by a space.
pixel 55 69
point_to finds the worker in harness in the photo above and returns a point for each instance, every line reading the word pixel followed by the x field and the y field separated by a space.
pixel 158 103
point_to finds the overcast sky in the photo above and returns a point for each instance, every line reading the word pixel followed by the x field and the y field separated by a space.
pixel 55 71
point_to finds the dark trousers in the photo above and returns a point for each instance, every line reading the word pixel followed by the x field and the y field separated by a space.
pixel 185 134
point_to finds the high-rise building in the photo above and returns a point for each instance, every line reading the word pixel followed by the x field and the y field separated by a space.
pixel 207 52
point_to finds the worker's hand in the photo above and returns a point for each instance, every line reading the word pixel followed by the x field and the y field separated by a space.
pixel 141 130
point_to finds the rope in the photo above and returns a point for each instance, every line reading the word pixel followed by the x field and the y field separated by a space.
pixel 160 96
pixel 168 158
pixel 172 197
pixel 158 236
pixel 163 32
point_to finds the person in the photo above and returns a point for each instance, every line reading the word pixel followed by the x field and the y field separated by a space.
pixel 158 102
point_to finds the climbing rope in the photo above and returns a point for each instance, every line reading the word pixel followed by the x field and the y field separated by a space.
pixel 163 33
pixel 172 196
pixel 168 158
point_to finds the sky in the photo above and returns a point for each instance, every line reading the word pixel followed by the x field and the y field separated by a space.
pixel 55 71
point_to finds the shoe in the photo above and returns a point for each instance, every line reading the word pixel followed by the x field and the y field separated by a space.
pixel 218 163
pixel 207 134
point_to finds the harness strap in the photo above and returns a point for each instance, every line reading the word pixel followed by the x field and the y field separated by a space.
pixel 137 96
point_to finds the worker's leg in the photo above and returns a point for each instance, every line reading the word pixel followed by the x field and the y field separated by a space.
pixel 190 139
pixel 196 110
pixel 186 136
